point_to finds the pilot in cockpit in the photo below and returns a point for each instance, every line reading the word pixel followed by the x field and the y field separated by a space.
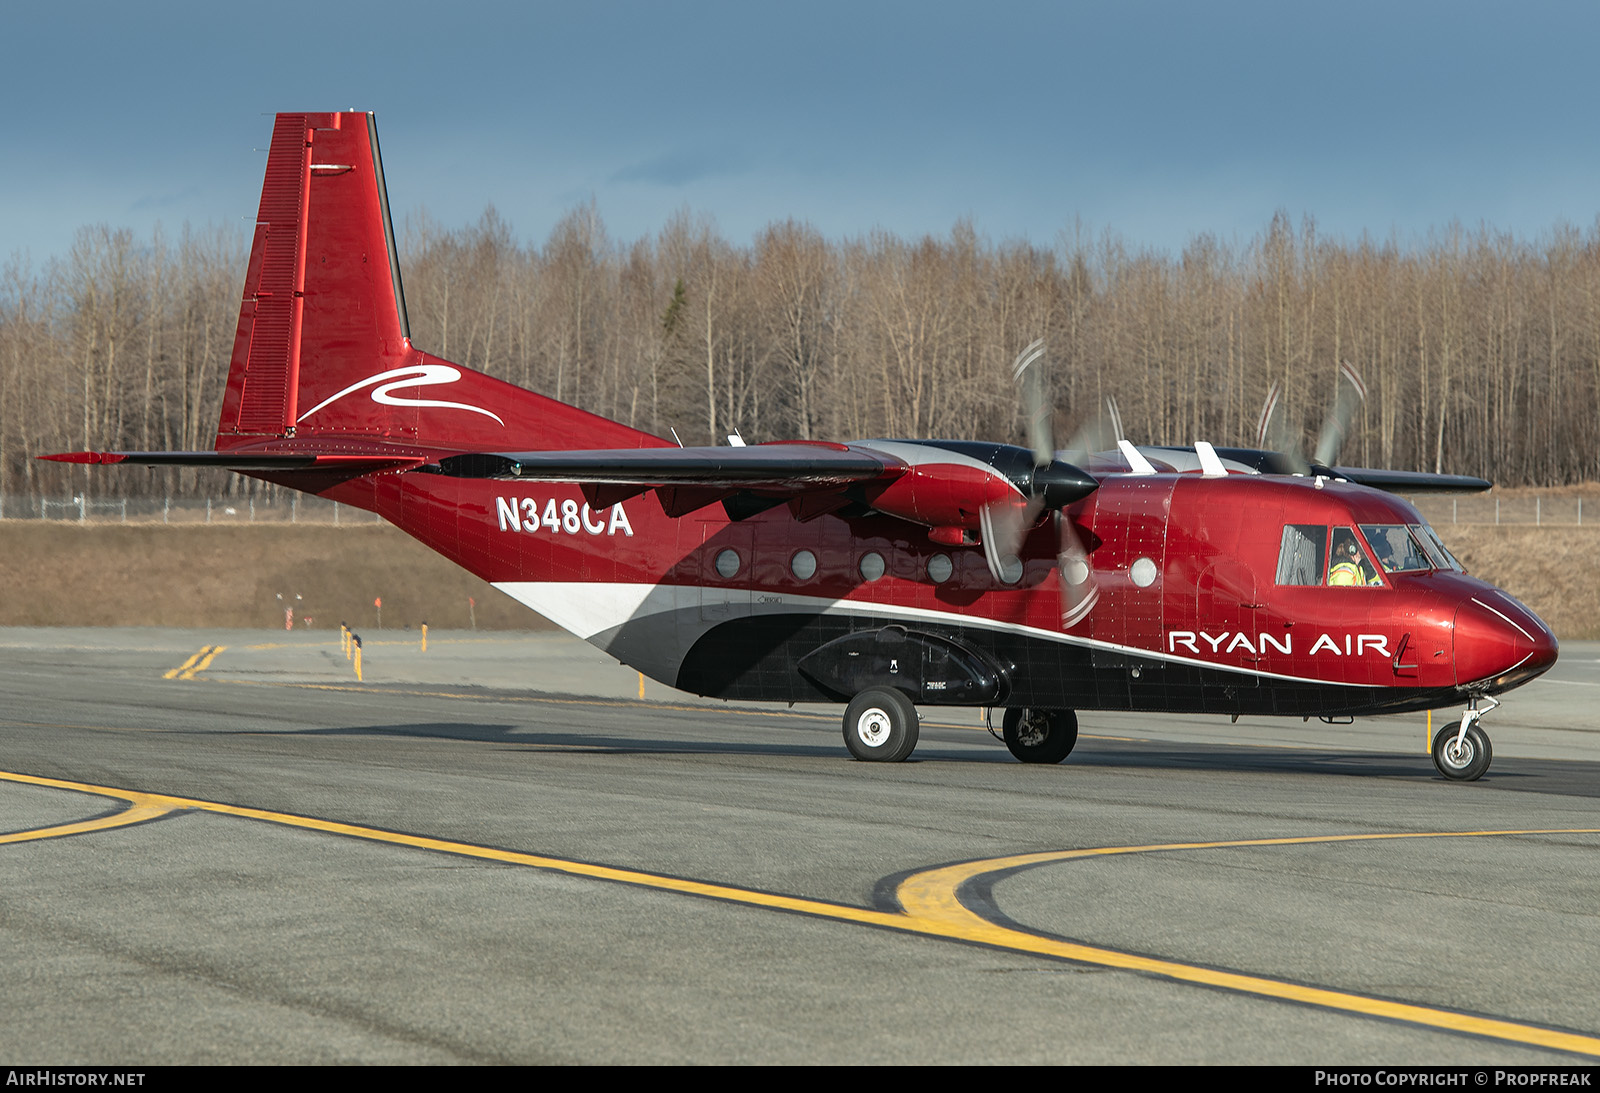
pixel 1350 566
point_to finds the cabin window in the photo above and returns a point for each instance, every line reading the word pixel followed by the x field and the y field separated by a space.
pixel 803 565
pixel 1397 550
pixel 1300 557
pixel 940 567
pixel 872 566
pixel 728 563
pixel 1010 569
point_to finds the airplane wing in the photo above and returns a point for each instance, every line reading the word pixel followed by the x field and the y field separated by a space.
pixel 963 492
pixel 951 487
pixel 810 475
pixel 342 462
pixel 780 467
pixel 1270 462
pixel 1412 481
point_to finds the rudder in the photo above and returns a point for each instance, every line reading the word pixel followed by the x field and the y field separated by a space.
pixel 324 282
pixel 323 348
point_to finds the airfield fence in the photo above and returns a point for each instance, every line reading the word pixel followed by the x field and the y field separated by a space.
pixel 1567 507
pixel 286 508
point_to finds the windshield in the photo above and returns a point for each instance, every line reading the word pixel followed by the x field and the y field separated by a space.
pixel 1442 558
pixel 1397 550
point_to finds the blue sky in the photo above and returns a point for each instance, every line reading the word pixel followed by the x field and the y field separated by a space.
pixel 1158 121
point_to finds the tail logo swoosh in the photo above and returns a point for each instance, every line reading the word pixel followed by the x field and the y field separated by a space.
pixel 416 375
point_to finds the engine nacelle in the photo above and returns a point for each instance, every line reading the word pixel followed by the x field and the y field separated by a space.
pixel 944 495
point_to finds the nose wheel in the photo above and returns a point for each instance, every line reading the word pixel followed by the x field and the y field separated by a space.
pixel 1462 753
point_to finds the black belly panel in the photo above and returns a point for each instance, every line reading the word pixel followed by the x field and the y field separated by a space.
pixel 781 657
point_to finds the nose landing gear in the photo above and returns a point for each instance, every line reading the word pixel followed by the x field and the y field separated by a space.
pixel 1462 753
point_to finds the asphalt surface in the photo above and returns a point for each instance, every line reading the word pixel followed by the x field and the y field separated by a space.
pixel 498 851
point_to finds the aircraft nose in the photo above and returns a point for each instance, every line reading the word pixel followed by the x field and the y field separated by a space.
pixel 1500 642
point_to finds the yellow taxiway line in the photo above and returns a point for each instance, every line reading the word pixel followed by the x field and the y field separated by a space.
pixel 188 664
pixel 934 896
pixel 931 903
pixel 142 808
pixel 197 663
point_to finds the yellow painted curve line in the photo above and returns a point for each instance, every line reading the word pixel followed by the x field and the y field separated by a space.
pixel 485 853
pixel 930 904
pixel 141 807
pixel 934 897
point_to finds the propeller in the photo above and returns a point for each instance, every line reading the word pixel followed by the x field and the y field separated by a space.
pixel 1274 433
pixel 1053 484
pixel 1101 433
pixel 1347 402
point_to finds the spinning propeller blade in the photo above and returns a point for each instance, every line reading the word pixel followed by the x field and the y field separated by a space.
pixel 1005 524
pixel 1346 404
pixel 1274 433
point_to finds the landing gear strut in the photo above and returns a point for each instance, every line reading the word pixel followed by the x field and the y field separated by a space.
pixel 1463 753
pixel 1040 736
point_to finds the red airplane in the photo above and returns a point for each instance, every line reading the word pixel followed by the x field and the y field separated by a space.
pixel 882 574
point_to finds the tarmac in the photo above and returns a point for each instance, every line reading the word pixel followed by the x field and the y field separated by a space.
pixel 223 847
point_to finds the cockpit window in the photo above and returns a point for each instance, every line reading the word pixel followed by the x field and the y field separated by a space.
pixel 1437 551
pixel 1300 556
pixel 1348 564
pixel 1397 550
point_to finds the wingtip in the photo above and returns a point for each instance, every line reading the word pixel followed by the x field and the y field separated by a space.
pixel 83 457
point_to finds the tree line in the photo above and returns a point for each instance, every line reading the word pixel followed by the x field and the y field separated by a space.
pixel 1480 351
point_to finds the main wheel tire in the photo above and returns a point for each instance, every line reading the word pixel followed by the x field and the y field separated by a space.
pixel 1466 763
pixel 880 726
pixel 1040 736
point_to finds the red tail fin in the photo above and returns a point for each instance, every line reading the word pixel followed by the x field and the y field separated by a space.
pixel 323 349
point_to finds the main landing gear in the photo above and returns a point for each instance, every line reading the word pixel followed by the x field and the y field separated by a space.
pixel 1040 736
pixel 880 725
pixel 1462 753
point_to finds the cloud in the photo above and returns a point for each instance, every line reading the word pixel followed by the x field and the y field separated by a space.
pixel 680 168
pixel 175 199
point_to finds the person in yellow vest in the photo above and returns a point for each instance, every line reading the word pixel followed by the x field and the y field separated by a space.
pixel 1349 568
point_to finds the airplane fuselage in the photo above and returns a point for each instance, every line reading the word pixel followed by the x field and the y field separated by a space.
pixel 1190 615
